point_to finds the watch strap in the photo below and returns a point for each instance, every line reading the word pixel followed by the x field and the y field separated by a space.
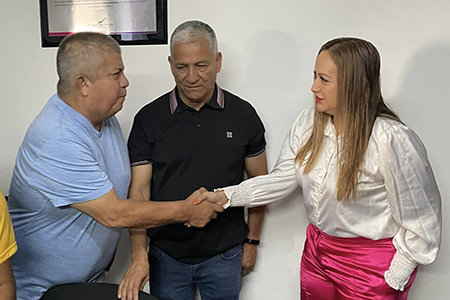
pixel 251 241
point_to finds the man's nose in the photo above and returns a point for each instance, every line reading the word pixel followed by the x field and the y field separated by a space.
pixel 192 75
pixel 125 81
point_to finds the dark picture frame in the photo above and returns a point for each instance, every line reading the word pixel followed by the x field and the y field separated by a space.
pixel 155 38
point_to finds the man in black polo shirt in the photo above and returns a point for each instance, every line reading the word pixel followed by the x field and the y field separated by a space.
pixel 196 135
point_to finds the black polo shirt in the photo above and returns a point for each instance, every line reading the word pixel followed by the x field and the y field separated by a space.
pixel 190 149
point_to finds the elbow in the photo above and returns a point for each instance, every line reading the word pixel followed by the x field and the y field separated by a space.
pixel 111 219
pixel 110 224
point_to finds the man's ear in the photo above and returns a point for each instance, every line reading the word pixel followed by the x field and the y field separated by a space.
pixel 219 62
pixel 172 67
pixel 83 84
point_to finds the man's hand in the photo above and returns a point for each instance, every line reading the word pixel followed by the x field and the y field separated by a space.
pixel 248 258
pixel 134 280
pixel 200 215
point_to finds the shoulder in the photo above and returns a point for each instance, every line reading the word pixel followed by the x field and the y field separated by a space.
pixel 388 128
pixel 51 124
pixel 302 127
pixel 229 96
pixel 394 135
pixel 58 130
pixel 305 120
pixel 154 107
pixel 236 101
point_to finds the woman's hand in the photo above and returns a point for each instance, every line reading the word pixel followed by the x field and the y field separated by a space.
pixel 218 197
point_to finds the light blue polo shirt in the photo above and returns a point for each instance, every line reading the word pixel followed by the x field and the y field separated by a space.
pixel 64 160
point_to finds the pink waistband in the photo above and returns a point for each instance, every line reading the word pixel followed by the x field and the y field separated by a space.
pixel 346 241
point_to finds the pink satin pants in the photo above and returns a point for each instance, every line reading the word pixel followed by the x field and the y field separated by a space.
pixel 334 268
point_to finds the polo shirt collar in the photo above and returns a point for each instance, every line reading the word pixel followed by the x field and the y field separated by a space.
pixel 177 105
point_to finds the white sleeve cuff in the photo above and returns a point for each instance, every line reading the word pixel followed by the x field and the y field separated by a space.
pixel 238 195
pixel 228 203
pixel 399 272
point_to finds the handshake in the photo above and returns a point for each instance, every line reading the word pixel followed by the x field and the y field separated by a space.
pixel 202 206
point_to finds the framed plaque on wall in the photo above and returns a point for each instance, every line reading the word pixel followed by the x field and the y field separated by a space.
pixel 130 22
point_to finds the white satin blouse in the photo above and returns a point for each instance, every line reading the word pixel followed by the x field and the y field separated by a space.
pixel 397 193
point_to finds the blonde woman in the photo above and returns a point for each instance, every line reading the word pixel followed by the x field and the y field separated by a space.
pixel 370 194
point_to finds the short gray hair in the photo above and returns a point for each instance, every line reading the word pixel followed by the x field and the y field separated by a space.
pixel 82 54
pixel 190 31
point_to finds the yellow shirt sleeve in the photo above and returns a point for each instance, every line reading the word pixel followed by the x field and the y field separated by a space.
pixel 8 245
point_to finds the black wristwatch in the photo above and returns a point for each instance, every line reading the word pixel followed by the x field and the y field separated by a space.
pixel 252 241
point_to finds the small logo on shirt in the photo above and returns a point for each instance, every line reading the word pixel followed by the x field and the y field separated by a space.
pixel 229 135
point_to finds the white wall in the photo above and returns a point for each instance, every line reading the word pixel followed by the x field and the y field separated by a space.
pixel 268 50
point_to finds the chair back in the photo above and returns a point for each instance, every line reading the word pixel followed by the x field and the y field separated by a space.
pixel 88 291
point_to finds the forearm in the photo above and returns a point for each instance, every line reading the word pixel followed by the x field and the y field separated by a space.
pixel 7 283
pixel 138 239
pixel 8 291
pixel 113 212
pixel 140 189
pixel 139 214
pixel 255 221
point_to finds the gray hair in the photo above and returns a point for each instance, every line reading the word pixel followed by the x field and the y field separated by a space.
pixel 82 54
pixel 190 31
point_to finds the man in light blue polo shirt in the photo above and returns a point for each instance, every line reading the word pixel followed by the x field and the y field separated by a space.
pixel 72 173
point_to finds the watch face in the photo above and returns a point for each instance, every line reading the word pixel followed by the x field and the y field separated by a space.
pixel 252 241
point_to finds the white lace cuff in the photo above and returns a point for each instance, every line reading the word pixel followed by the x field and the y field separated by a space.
pixel 399 272
pixel 238 195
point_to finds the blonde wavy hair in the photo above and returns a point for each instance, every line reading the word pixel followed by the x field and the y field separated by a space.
pixel 359 103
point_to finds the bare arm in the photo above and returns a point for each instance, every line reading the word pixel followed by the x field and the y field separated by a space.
pixel 140 189
pixel 7 283
pixel 254 166
pixel 137 274
pixel 110 211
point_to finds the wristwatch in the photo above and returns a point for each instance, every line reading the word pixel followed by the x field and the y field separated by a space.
pixel 251 241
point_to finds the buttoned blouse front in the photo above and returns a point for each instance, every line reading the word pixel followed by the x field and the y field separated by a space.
pixel 397 195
